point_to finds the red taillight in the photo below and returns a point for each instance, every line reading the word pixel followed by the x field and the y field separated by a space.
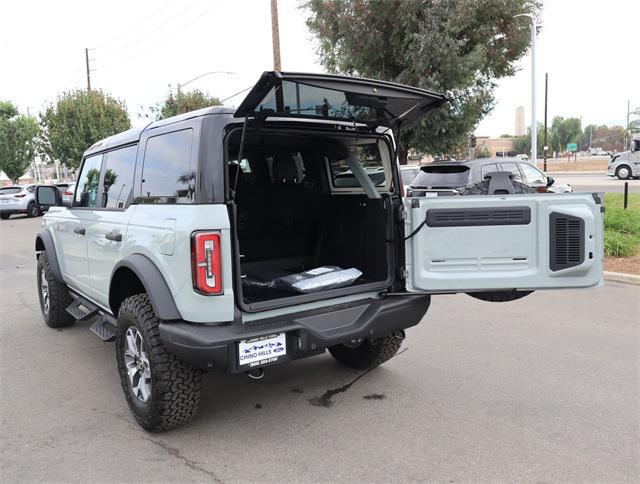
pixel 20 195
pixel 68 193
pixel 206 262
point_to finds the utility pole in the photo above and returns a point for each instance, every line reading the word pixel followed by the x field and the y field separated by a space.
pixel 546 89
pixel 275 35
pixel 86 55
pixel 627 134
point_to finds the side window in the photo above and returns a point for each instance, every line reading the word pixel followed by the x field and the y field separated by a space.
pixel 118 176
pixel 513 168
pixel 532 175
pixel 371 159
pixel 488 169
pixel 167 175
pixel 88 181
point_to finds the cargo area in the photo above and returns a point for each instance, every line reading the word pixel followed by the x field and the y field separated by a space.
pixel 298 207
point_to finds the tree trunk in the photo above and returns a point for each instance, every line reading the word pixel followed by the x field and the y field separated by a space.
pixel 403 152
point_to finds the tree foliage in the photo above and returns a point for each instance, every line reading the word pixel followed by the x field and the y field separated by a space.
pixel 183 102
pixel 76 121
pixel 459 47
pixel 17 141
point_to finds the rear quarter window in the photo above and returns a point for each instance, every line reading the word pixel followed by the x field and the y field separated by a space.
pixel 167 174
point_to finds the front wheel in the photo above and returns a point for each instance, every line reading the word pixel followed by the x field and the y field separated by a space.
pixel 162 391
pixel 53 295
pixel 370 353
pixel 4 216
pixel 623 173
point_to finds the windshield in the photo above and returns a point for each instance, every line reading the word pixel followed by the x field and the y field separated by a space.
pixel 443 176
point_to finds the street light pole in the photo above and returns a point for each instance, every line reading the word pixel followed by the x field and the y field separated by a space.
pixel 534 123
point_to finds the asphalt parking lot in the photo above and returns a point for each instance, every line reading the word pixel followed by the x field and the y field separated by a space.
pixel 595 182
pixel 545 389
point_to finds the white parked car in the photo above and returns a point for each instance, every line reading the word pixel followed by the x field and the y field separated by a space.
pixel 18 199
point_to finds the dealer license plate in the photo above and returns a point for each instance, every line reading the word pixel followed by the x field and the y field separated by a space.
pixel 263 350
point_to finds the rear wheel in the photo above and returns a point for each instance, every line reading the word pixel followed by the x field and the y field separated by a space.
pixel 53 295
pixel 370 353
pixel 623 172
pixel 162 391
pixel 499 296
pixel 33 210
pixel 4 216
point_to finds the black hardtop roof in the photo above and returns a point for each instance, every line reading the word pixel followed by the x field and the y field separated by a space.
pixel 133 135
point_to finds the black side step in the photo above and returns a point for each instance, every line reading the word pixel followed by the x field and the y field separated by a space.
pixel 81 309
pixel 104 327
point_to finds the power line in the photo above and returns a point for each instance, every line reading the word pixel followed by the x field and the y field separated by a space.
pixel 141 38
pixel 153 46
pixel 135 26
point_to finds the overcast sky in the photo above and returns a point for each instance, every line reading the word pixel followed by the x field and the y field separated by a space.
pixel 142 47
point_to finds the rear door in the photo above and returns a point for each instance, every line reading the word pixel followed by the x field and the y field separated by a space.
pixel 106 232
pixel 323 96
pixel 503 242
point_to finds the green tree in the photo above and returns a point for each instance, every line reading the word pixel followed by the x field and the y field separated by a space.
pixel 76 121
pixel 457 46
pixel 565 131
pixel 17 141
pixel 183 102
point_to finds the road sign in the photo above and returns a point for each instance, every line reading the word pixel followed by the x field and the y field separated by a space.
pixel 572 147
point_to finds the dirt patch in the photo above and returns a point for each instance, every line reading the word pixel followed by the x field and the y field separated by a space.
pixel 580 165
pixel 627 265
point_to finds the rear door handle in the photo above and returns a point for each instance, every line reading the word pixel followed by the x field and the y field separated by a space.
pixel 79 231
pixel 115 236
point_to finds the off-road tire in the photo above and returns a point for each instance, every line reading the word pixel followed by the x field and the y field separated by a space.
pixel 4 216
pixel 499 296
pixel 32 210
pixel 175 385
pixel 370 353
pixel 482 188
pixel 59 297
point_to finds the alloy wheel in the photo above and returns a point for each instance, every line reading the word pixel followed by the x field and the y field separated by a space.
pixel 136 360
pixel 44 291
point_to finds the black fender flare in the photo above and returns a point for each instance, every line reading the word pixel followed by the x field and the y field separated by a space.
pixel 44 242
pixel 154 285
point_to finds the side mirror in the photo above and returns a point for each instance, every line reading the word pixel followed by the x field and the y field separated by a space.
pixel 550 181
pixel 48 196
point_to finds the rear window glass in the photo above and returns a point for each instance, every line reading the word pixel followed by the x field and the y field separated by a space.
pixel 167 174
pixel 317 102
pixel 444 176
pixel 10 191
pixel 371 160
pixel 486 169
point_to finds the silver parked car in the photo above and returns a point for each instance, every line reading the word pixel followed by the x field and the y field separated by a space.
pixel 454 176
pixel 18 199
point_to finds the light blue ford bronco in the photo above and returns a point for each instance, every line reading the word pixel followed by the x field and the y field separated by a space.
pixel 235 239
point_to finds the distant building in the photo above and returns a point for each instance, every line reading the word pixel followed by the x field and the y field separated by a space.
pixel 519 121
pixel 496 147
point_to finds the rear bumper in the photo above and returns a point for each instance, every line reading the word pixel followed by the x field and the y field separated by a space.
pixel 308 333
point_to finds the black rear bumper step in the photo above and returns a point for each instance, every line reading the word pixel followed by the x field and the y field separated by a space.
pixel 214 347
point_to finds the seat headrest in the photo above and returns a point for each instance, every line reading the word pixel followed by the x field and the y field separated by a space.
pixel 284 169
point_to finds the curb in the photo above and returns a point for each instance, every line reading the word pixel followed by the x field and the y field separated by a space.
pixel 601 172
pixel 622 277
